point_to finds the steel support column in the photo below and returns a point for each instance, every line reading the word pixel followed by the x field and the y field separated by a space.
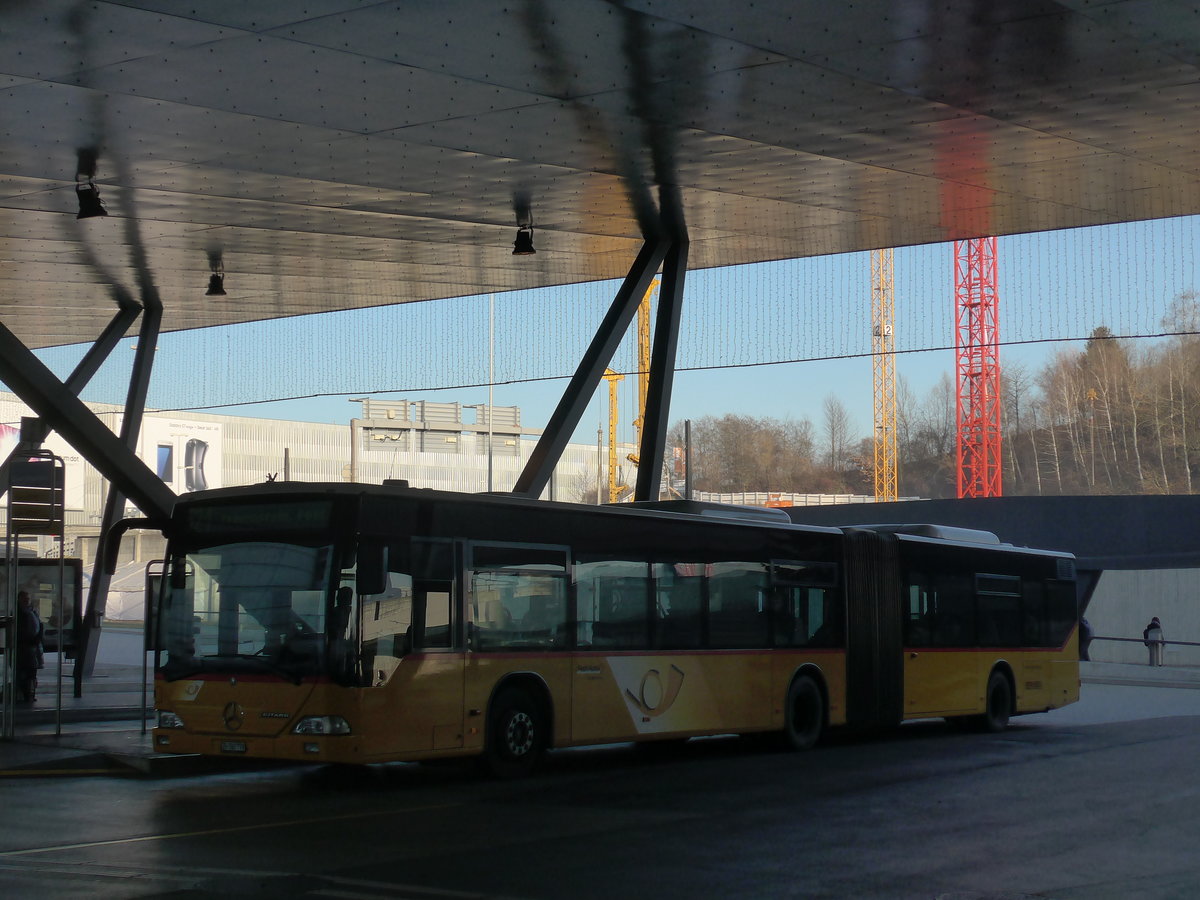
pixel 65 413
pixel 114 506
pixel 653 447
pixel 545 456
pixel 87 367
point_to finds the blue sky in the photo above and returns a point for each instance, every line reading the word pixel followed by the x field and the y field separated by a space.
pixel 1052 286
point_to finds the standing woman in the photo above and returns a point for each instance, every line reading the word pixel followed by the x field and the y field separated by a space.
pixel 29 648
pixel 1152 636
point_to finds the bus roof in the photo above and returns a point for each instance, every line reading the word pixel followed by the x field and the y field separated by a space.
pixel 690 509
pixel 940 532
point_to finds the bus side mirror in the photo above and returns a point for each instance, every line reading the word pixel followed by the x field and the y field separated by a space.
pixel 371 575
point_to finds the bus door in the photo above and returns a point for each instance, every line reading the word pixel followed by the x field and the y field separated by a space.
pixel 412 651
pixel 874 673
pixel 940 661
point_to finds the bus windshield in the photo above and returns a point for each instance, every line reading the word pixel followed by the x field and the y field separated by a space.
pixel 251 607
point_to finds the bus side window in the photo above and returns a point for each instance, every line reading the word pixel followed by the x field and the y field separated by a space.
pixel 1062 611
pixel 1033 613
pixel 920 614
pixel 612 604
pixel 953 602
pixel 737 616
pixel 518 597
pixel 679 604
pixel 806 617
pixel 824 618
pixel 437 632
pixel 998 601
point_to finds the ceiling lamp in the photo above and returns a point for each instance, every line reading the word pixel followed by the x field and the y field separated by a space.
pixel 86 191
pixel 90 204
pixel 216 285
pixel 523 245
pixel 216 281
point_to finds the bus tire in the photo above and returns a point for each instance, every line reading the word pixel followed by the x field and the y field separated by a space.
pixel 804 714
pixel 516 737
pixel 998 705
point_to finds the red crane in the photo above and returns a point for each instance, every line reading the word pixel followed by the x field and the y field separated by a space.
pixel 977 383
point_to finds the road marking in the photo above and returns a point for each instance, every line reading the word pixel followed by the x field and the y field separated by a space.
pixel 340 887
pixel 208 831
pixel 412 891
pixel 47 773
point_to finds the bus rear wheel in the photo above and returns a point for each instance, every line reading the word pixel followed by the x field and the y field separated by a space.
pixel 999 704
pixel 804 714
pixel 516 737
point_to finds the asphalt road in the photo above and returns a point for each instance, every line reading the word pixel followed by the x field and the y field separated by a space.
pixel 1060 806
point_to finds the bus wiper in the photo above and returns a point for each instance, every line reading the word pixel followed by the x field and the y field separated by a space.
pixel 271 666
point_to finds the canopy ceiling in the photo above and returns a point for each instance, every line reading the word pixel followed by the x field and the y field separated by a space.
pixel 341 154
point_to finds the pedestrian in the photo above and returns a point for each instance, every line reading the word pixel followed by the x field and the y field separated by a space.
pixel 1152 637
pixel 29 652
pixel 1085 639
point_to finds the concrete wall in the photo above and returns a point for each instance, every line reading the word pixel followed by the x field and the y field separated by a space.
pixel 1125 600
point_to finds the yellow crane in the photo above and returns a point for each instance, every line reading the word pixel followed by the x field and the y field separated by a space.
pixel 643 352
pixel 615 487
pixel 883 346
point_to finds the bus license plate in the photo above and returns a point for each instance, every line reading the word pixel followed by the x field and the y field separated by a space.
pixel 233 746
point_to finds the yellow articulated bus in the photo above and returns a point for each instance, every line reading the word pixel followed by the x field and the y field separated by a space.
pixel 364 624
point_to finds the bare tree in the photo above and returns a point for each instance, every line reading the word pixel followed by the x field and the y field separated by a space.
pixel 742 453
pixel 836 431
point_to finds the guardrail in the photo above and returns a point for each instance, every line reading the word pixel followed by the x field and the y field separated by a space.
pixel 1143 641
pixel 1156 650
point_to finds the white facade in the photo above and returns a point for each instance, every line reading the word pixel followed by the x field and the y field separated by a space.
pixel 431 445
pixel 194 451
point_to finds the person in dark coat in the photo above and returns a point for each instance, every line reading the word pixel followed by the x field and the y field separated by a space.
pixel 1152 637
pixel 29 648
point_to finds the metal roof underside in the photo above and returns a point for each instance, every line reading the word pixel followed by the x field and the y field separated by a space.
pixel 342 154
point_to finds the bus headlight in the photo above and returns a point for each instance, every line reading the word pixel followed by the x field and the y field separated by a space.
pixel 168 719
pixel 322 725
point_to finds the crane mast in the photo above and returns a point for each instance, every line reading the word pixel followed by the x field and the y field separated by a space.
pixel 643 353
pixel 977 382
pixel 883 346
pixel 615 488
pixel 614 485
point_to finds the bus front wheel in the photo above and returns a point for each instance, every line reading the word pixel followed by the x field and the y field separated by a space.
pixel 516 734
pixel 804 714
pixel 999 704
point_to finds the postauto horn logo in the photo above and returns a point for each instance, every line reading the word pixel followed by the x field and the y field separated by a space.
pixel 653 697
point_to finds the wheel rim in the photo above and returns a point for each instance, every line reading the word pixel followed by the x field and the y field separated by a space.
pixel 519 734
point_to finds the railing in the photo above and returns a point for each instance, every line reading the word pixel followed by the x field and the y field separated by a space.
pixel 1179 656
pixel 1143 640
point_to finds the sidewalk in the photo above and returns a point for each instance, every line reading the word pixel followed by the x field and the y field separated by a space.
pixel 101 732
pixel 1139 675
